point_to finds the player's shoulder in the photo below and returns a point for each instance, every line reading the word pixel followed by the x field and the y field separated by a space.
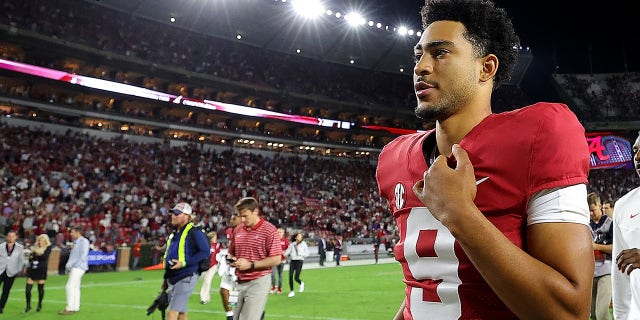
pixel 540 110
pixel 544 119
pixel 630 198
pixel 405 141
pixel 269 227
pixel 543 110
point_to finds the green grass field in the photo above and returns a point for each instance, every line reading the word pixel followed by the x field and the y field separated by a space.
pixel 365 292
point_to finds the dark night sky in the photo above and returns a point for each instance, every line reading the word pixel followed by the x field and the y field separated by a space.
pixel 570 36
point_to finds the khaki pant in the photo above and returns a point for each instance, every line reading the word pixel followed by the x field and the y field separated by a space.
pixel 252 298
pixel 601 298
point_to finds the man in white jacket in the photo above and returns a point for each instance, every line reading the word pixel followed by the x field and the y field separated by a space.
pixel 297 250
pixel 626 243
pixel 11 263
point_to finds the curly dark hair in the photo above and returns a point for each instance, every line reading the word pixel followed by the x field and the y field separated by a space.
pixel 488 28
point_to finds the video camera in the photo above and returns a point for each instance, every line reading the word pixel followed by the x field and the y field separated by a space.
pixel 161 302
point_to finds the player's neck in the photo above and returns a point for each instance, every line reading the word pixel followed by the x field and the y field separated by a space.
pixel 453 129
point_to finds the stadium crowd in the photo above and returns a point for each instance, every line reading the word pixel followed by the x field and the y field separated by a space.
pixel 603 97
pixel 119 191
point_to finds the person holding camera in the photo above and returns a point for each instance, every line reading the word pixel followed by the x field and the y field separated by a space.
pixel 186 247
pixel 254 250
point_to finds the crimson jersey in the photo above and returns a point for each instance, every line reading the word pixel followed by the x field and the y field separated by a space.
pixel 514 155
pixel 284 244
pixel 213 254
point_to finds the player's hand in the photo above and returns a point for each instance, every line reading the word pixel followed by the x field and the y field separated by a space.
pixel 175 264
pixel 447 192
pixel 242 264
pixel 628 260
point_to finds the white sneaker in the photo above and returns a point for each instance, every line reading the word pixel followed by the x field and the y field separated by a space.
pixel 301 288
pixel 291 294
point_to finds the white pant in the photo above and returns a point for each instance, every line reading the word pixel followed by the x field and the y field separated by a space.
pixel 207 277
pixel 73 289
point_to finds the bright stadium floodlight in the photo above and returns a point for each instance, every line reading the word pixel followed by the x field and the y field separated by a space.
pixel 402 30
pixel 355 19
pixel 308 8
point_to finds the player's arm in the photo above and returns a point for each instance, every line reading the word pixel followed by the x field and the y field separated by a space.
pixel 553 281
pixel 266 263
pixel 607 248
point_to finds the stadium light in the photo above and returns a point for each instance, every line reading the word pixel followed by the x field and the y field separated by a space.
pixel 308 8
pixel 355 19
pixel 402 31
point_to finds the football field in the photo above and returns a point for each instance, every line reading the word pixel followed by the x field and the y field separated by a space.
pixel 349 292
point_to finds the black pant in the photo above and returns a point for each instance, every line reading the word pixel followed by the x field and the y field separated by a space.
pixel 323 257
pixel 7 283
pixel 295 267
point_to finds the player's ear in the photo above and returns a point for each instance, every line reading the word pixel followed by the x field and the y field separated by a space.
pixel 489 67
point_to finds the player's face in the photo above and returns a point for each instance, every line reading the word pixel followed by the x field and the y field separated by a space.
pixel 249 218
pixel 636 155
pixel 595 210
pixel 235 220
pixel 446 72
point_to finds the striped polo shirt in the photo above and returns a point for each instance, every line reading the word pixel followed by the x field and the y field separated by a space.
pixel 255 243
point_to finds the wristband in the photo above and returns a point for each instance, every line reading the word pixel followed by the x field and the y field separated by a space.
pixel 252 265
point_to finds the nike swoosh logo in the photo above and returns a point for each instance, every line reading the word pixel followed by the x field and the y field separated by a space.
pixel 482 180
pixel 633 215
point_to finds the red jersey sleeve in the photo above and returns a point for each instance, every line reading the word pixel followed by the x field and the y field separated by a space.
pixel 560 153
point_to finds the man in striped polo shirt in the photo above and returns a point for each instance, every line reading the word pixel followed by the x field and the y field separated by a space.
pixel 255 249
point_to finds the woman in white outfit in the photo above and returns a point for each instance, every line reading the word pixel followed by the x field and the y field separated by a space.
pixel 297 250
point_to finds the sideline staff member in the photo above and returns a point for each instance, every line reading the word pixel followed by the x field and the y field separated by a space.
pixel 185 249
pixel 255 249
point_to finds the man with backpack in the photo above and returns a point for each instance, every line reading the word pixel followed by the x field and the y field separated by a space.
pixel 187 247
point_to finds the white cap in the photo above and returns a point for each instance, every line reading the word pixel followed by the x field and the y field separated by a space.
pixel 182 207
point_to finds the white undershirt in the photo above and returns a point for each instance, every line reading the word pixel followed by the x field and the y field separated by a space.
pixel 565 204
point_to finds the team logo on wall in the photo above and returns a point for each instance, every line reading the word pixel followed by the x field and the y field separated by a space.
pixel 401 195
pixel 609 151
